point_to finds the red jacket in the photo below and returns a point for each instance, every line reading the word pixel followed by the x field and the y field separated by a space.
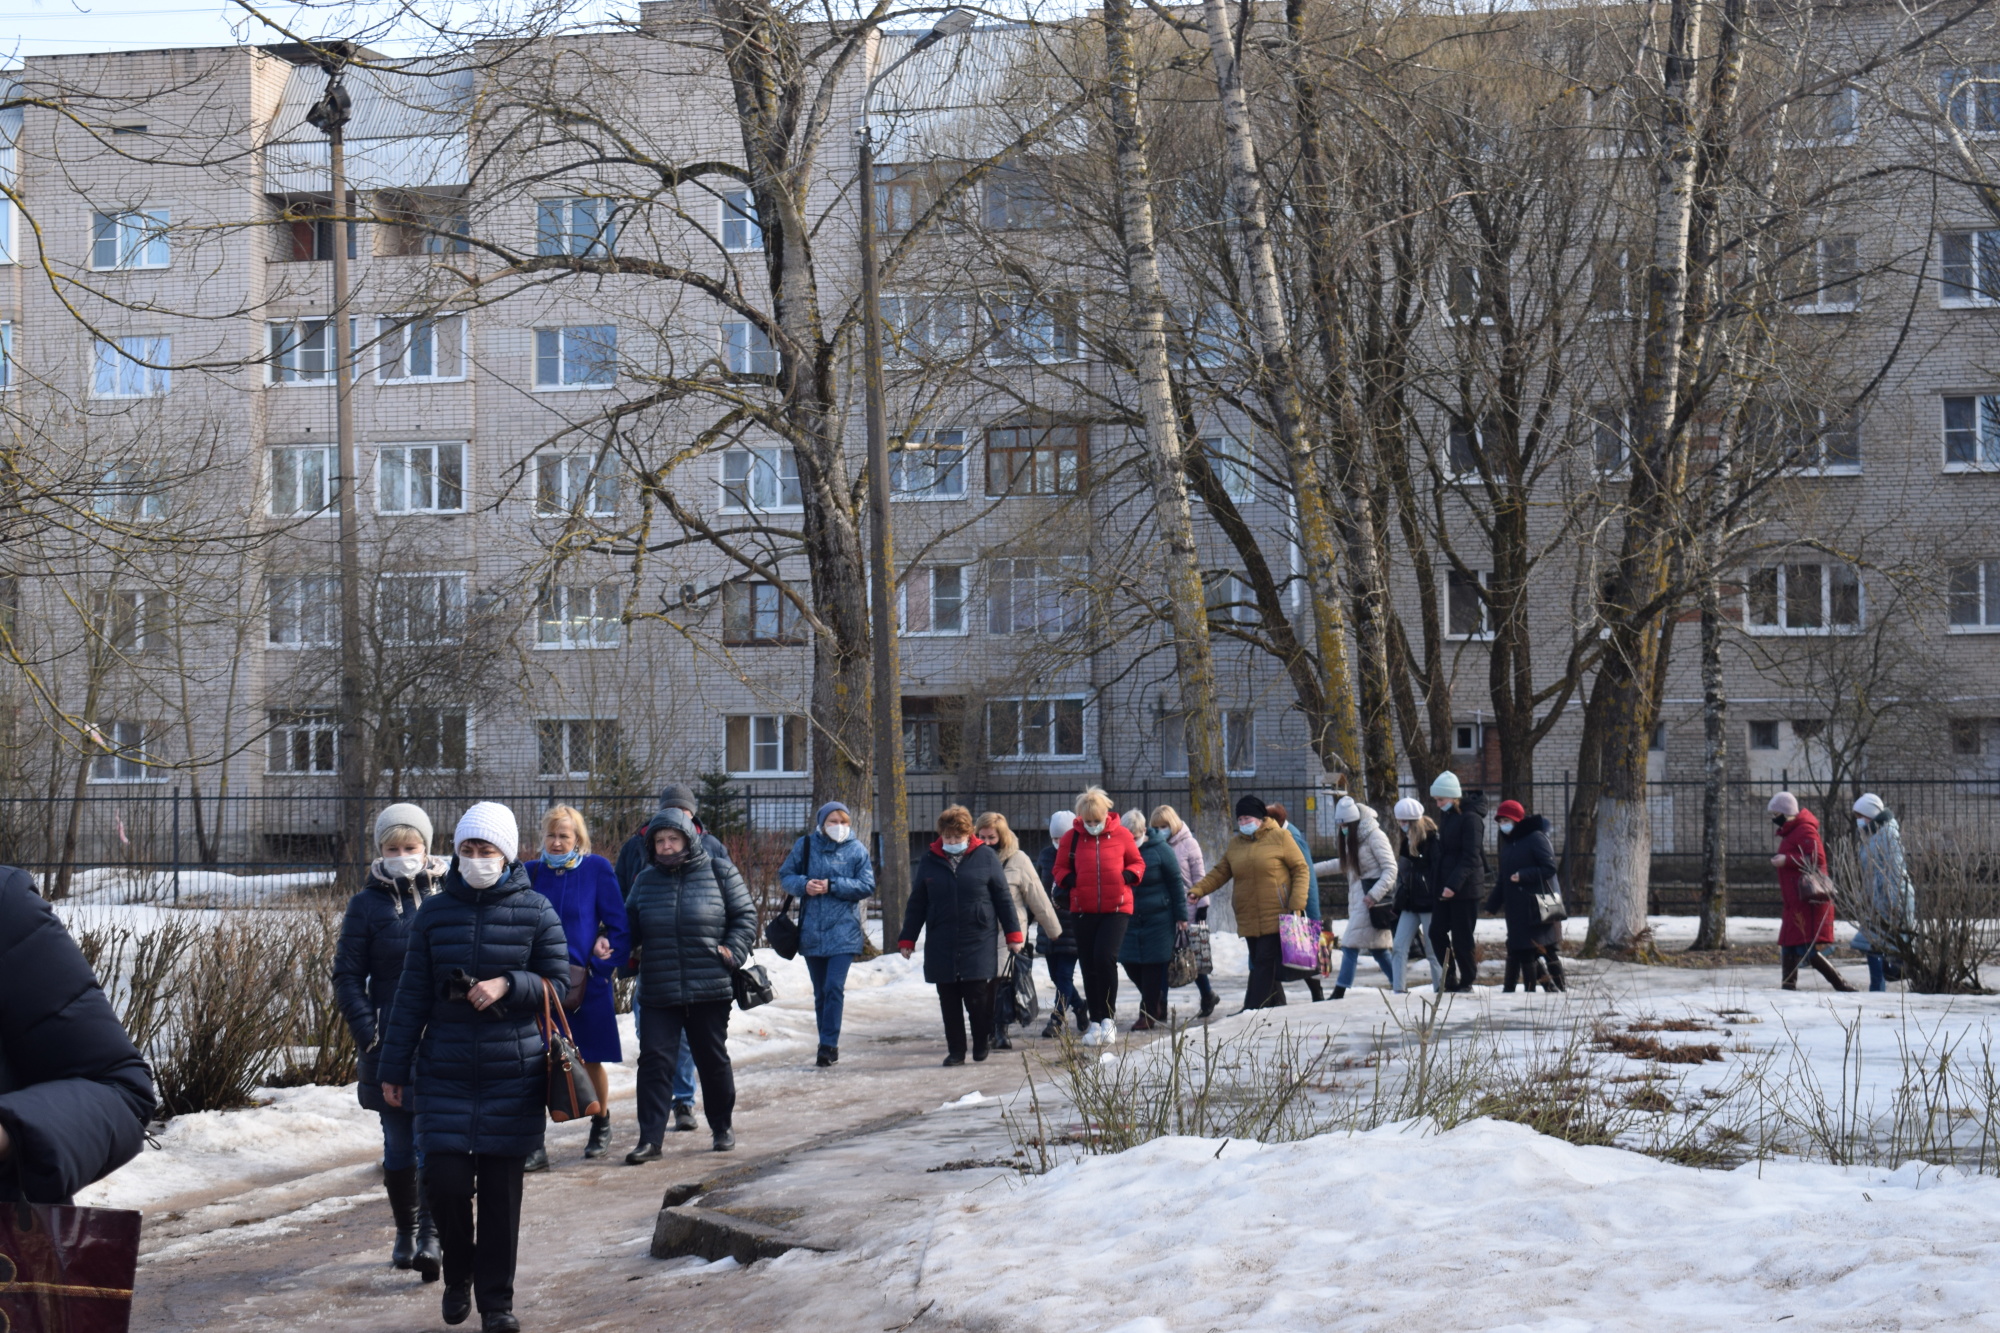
pixel 1099 871
pixel 1799 843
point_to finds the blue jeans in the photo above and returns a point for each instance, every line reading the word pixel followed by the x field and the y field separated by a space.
pixel 1062 971
pixel 1418 924
pixel 1350 958
pixel 399 1140
pixel 829 978
pixel 1878 971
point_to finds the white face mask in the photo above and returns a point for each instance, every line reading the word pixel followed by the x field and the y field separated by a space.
pixel 1095 828
pixel 839 832
pixel 1506 826
pixel 481 872
pixel 1248 827
pixel 1403 824
pixel 402 867
pixel 956 848
pixel 1861 824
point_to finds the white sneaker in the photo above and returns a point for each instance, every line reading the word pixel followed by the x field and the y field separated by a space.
pixel 1092 1035
pixel 1107 1033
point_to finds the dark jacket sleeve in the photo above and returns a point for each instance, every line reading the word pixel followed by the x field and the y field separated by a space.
pixel 350 972
pixel 1461 856
pixel 631 860
pixel 548 960
pixel 918 908
pixel 1542 867
pixel 411 1013
pixel 1177 887
pixel 739 933
pixel 77 1094
pixel 611 915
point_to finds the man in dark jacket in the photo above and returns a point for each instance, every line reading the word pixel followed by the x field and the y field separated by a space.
pixel 692 926
pixel 1461 879
pixel 958 891
pixel 1527 867
pixel 75 1095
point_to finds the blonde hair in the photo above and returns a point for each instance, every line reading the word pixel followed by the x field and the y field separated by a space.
pixel 1135 823
pixel 1095 803
pixel 576 824
pixel 1421 830
pixel 1003 841
pixel 1166 817
pixel 954 819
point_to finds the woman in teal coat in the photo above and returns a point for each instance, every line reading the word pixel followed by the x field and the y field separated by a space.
pixel 1159 917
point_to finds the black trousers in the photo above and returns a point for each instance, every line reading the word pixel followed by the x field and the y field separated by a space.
pixel 707 1027
pixel 1265 991
pixel 1452 923
pixel 962 1002
pixel 1151 979
pixel 1525 966
pixel 483 1256
pixel 1099 936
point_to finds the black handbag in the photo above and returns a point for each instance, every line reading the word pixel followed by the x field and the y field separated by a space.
pixel 752 985
pixel 571 1095
pixel 1382 916
pixel 782 931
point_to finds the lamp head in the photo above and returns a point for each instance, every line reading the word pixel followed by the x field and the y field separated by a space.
pixel 951 23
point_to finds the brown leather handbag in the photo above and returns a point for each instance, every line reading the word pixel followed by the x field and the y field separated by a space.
pixel 571 1094
pixel 66 1270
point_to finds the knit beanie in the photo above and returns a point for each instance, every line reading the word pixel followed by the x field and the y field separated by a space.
pixel 819 820
pixel 1250 806
pixel 490 821
pixel 1410 808
pixel 1784 803
pixel 1061 822
pixel 677 797
pixel 1869 806
pixel 1446 787
pixel 1345 811
pixel 403 815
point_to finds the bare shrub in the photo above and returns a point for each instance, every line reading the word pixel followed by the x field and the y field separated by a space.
pixel 227 1019
pixel 320 1044
pixel 136 970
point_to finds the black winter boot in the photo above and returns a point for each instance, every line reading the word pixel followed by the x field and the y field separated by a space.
pixel 600 1136
pixel 538 1160
pixel 683 1117
pixel 429 1258
pixel 1340 992
pixel 457 1302
pixel 402 1188
pixel 499 1321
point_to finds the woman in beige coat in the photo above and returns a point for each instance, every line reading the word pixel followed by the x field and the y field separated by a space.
pixel 1370 864
pixel 1030 898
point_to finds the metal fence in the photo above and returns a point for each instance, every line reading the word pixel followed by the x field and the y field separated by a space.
pixel 167 846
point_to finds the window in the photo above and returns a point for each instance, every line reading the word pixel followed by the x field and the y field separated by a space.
pixel 420 479
pixel 306 230
pixel 1239 743
pixel 135 239
pixel 929 465
pixel 1616 129
pixel 1464 292
pixel 576 747
pixel 1829 276
pixel 581 357
pixel 422 224
pixel 6 351
pixel 304 611
pixel 570 484
pixel 417 348
pixel 1034 728
pixel 1040 329
pixel 130 620
pixel 1972 433
pixel 1969 268
pixel 933 734
pixel 302 479
pixel 304 743
pixel 1804 599
pixel 740 229
pixel 121 754
pixel 1231 462
pixel 1035 596
pixel 132 493
pixel 1804 437
pixel 1610 439
pixel 1968 736
pixel 415 609
pixel 580 228
pixel 760 480
pixel 1229 598
pixel 132 368
pixel 1613 278
pixel 926 326
pixel 1022 197
pixel 429 740
pixel 1764 735
pixel 1827 117
pixel 934 600
pixel 761 745
pixel 904 192
pixel 1217 335
pixel 1468 737
pixel 1467 615
pixel 747 349
pixel 1973 596
pixel 756 613
pixel 301 352
pixel 1970 97
pixel 1465 444
pixel 579 616
pixel 1024 460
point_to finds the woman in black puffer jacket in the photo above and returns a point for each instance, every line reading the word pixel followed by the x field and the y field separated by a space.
pixel 692 926
pixel 367 964
pixel 464 1042
pixel 959 893
pixel 1527 867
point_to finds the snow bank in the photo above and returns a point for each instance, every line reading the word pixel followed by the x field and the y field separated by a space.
pixel 199 888
pixel 1488 1227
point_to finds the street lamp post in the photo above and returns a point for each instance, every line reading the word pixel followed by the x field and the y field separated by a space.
pixel 892 803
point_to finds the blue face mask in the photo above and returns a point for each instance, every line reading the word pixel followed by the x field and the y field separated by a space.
pixel 1156 835
pixel 566 861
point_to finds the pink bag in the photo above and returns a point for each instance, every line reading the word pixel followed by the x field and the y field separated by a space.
pixel 1298 942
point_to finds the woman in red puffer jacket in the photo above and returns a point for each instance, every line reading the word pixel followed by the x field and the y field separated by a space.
pixel 1097 864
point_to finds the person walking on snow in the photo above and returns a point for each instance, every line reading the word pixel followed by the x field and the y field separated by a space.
pixel 1159 922
pixel 1030 899
pixel 829 873
pixel 1369 863
pixel 1808 922
pixel 1097 865
pixel 1527 867
pixel 1461 878
pixel 367 964
pixel 1181 838
pixel 1313 911
pixel 1270 876
pixel 959 893
pixel 1060 950
pixel 1416 892
pixel 1888 897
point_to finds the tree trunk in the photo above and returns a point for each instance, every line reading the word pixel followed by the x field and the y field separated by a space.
pixel 1713 932
pixel 1338 742
pixel 1194 657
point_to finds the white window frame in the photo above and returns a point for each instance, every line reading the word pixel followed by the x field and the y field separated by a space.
pixel 397 338
pixel 1448 297
pixel 130 240
pixel 397 726
pixel 557 622
pixel 308 602
pixel 1238 724
pixel 926 324
pixel 1837 138
pixel 131 492
pixel 317 726
pixel 1228 597
pixel 1824 468
pixel 132 367
pixel 740 603
pixel 1985 432
pixel 1446 465
pixel 452 604
pixel 738 227
pixel 921 454
pixel 561 480
pixel 1960 91
pixel 924 581
pixel 1484 634
pixel 746 348
pixel 1985 591
pixel 1023 330
pixel 1477 731
pixel 1616 418
pixel 1610 258
pixel 1781 587
pixel 433 476
pixel 567 732
pixel 1813 263
pixel 1234 466
pixel 559 346
pixel 1978 285
pixel 1626 137
pixel 1085 710
pixel 277 468
pixel 772 466
pixel 778 724
pixel 143 612
pixel 122 757
pixel 1215 337
pixel 6 343
pixel 1054 584
pixel 557 233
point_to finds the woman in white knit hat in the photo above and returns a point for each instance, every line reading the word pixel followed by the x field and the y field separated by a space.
pixel 1416 892
pixel 463 1050
pixel 374 935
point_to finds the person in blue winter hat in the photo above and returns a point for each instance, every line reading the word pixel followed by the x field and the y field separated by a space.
pixel 827 870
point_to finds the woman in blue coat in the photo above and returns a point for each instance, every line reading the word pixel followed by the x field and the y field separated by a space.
pixel 464 1050
pixel 583 888
pixel 367 964
pixel 1159 921
pixel 828 872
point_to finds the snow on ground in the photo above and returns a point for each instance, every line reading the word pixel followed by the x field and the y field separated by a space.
pixel 1488 1227
pixel 191 886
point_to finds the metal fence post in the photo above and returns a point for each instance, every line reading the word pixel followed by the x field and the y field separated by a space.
pixel 177 846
